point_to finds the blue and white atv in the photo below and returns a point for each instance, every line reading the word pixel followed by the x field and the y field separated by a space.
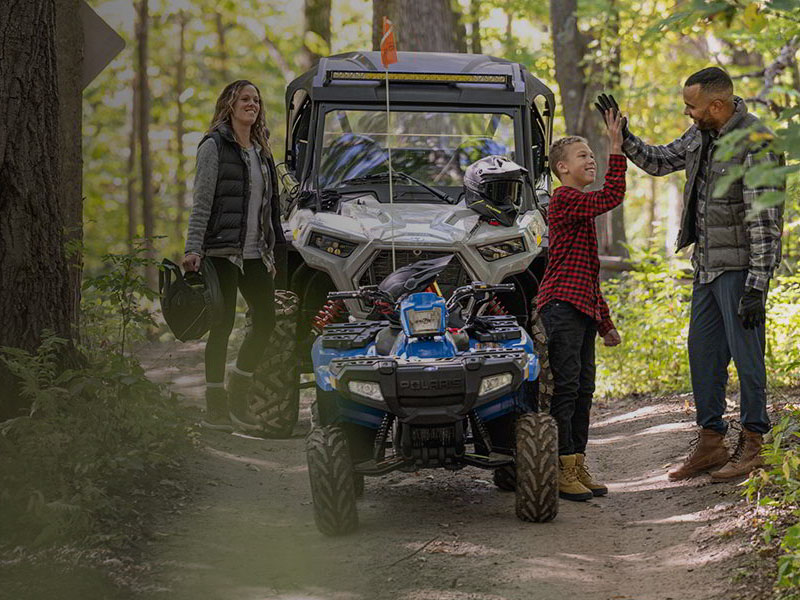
pixel 426 383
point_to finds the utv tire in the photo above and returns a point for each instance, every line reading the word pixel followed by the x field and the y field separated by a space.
pixel 505 478
pixel 330 471
pixel 276 391
pixel 546 383
pixel 537 468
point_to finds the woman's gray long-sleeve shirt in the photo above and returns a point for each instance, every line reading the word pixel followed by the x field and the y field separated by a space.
pixel 205 184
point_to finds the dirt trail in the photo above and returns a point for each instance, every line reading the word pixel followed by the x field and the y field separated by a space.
pixel 250 533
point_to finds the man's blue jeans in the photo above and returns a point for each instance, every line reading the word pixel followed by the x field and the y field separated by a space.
pixel 716 335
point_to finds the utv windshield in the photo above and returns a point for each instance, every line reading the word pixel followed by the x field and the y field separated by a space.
pixel 434 147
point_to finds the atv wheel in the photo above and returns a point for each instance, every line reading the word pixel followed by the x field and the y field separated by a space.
pixel 276 391
pixel 358 485
pixel 330 471
pixel 545 382
pixel 537 468
pixel 505 478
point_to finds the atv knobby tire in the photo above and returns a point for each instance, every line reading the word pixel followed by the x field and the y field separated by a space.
pixel 275 400
pixel 546 382
pixel 330 471
pixel 537 468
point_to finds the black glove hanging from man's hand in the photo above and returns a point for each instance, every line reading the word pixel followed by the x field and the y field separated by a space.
pixel 751 309
pixel 606 102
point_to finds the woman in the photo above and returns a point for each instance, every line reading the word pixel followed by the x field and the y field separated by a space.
pixel 235 224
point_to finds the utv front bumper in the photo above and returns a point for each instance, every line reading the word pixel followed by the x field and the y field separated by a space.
pixel 431 391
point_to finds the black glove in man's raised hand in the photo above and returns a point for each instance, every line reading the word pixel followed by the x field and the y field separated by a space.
pixel 751 309
pixel 606 102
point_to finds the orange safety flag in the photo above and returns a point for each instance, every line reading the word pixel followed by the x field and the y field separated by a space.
pixel 388 48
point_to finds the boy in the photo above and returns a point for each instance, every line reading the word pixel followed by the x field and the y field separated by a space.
pixel 569 301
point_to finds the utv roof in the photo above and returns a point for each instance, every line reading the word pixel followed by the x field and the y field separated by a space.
pixel 421 77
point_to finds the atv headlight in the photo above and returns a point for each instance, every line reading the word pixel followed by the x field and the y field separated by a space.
pixel 492 383
pixel 424 322
pixel 500 250
pixel 332 245
pixel 368 389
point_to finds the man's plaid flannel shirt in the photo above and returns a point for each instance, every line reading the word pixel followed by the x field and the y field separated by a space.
pixel 764 229
pixel 573 265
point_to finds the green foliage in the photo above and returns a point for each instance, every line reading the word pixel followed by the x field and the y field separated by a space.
pixel 777 489
pixel 94 439
pixel 651 306
pixel 119 290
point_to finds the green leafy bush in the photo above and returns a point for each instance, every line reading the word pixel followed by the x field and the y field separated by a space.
pixel 777 487
pixel 651 307
pixel 97 441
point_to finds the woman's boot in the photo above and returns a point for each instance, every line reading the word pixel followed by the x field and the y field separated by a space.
pixel 217 409
pixel 240 384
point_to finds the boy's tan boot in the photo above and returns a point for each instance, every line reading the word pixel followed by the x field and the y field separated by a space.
pixel 569 486
pixel 240 386
pixel 708 453
pixel 746 457
pixel 597 489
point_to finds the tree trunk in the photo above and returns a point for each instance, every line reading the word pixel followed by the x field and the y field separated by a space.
pixel 651 209
pixel 419 25
pixel 132 196
pixel 35 290
pixel 318 24
pixel 180 85
pixel 475 26
pixel 148 219
pixel 222 48
pixel 69 62
pixel 579 88
pixel 509 39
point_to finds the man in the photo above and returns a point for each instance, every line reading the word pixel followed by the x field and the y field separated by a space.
pixel 735 254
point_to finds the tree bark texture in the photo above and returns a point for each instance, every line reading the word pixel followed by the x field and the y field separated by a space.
pixel 580 80
pixel 420 25
pixel 69 62
pixel 318 21
pixel 145 163
pixel 35 291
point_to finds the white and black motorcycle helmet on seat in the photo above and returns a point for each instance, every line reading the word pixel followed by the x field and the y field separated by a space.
pixel 493 188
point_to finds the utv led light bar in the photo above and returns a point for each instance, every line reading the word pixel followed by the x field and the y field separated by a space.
pixel 399 77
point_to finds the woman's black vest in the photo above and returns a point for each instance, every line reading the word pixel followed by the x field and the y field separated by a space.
pixel 227 223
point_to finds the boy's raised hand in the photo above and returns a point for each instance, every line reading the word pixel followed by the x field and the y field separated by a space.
pixel 614 122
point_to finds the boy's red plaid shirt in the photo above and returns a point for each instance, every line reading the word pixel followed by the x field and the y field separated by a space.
pixel 573 267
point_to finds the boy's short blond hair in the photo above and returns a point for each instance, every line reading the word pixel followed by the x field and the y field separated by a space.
pixel 558 151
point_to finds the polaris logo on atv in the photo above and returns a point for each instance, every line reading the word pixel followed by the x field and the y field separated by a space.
pixel 430 385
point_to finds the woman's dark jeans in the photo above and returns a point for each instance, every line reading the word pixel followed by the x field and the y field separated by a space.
pixel 570 343
pixel 258 290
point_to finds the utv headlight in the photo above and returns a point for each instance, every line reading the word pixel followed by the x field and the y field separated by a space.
pixel 492 383
pixel 332 245
pixel 368 389
pixel 498 250
pixel 425 322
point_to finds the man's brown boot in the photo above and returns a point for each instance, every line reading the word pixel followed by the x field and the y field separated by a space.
pixel 597 489
pixel 745 459
pixel 569 488
pixel 709 453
